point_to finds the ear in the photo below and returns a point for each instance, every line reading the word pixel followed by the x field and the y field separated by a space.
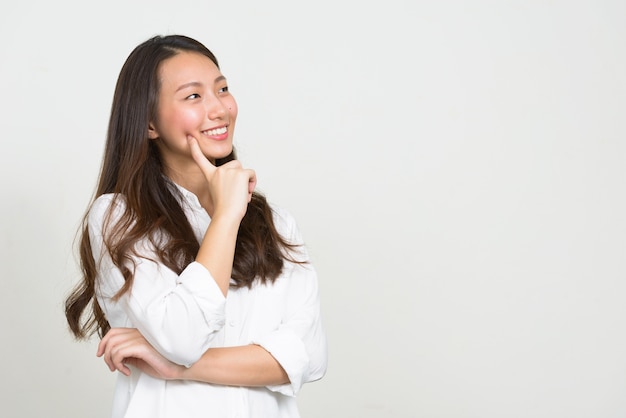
pixel 152 132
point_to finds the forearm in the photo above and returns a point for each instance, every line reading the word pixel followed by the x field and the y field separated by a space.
pixel 218 249
pixel 249 365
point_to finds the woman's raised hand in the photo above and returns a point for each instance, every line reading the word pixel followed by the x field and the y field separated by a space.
pixel 230 185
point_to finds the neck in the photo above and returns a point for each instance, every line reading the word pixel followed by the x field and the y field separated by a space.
pixel 193 180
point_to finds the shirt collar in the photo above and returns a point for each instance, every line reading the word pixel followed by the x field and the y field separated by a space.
pixel 188 197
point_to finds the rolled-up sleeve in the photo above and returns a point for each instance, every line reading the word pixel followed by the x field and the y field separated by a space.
pixel 299 343
pixel 179 314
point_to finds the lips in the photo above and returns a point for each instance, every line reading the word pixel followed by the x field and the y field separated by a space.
pixel 216 131
pixel 220 133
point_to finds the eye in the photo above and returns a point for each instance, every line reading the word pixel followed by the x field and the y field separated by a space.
pixel 193 96
pixel 223 89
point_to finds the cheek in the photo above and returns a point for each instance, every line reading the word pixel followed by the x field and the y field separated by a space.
pixel 188 119
pixel 231 105
pixel 232 110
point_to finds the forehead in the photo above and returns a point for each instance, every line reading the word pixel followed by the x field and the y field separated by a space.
pixel 186 67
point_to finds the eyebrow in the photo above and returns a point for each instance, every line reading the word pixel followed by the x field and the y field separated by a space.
pixel 198 84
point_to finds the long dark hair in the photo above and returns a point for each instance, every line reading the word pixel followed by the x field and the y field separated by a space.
pixel 132 168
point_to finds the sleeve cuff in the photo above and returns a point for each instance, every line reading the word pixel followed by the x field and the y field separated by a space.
pixel 290 352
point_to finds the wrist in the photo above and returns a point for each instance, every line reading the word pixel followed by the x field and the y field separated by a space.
pixel 183 373
pixel 227 219
pixel 178 373
pixel 192 372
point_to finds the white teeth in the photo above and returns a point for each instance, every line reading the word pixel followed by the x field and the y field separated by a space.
pixel 218 131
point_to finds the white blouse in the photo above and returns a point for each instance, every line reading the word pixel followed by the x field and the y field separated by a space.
pixel 184 315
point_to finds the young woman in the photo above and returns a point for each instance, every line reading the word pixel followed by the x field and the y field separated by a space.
pixel 201 291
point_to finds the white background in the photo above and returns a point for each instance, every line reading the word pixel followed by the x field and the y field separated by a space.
pixel 457 169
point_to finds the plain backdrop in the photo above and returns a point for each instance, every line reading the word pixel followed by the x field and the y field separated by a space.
pixel 457 168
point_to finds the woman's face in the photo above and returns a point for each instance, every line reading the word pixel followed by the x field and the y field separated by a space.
pixel 194 101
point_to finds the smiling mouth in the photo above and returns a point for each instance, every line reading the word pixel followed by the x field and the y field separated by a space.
pixel 216 131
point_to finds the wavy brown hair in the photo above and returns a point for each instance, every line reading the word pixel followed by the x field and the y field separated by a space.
pixel 132 168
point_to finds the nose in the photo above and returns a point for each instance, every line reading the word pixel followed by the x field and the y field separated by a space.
pixel 215 108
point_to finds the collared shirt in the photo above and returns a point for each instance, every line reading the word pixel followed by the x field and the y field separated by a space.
pixel 183 315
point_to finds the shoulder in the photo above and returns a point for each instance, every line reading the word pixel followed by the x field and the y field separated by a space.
pixel 105 203
pixel 106 207
pixel 281 215
pixel 286 225
pixel 283 219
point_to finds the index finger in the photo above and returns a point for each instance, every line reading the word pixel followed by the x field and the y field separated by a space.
pixel 203 162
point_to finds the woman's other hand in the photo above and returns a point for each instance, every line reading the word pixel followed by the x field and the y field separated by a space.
pixel 121 347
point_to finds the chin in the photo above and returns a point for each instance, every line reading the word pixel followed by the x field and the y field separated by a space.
pixel 221 153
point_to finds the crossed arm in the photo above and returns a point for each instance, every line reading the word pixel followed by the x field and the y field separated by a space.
pixel 249 365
